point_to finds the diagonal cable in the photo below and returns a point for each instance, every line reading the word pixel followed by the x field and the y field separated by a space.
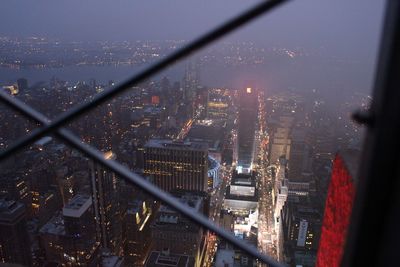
pixel 197 44
pixel 136 179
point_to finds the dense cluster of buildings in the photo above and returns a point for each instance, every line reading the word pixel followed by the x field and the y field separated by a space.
pixel 208 147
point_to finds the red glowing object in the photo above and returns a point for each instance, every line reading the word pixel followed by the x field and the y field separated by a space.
pixel 338 207
pixel 155 100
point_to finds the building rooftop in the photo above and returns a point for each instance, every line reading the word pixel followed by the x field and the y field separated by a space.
pixel 54 226
pixel 178 145
pixel 9 206
pixel 207 131
pixel 10 210
pixel 225 257
pixel 193 201
pixel 158 258
pixel 170 219
pixel 111 261
pixel 244 179
pixel 77 206
pixel 240 197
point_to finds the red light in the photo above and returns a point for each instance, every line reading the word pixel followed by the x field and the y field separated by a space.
pixel 155 100
pixel 338 207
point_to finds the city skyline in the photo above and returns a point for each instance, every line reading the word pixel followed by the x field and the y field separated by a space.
pixel 241 148
pixel 341 25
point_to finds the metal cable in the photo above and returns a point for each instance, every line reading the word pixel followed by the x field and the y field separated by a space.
pixel 136 179
pixel 100 98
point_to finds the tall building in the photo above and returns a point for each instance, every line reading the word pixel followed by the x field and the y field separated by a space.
pixel 248 107
pixel 300 155
pixel 15 187
pixel 241 195
pixel 139 215
pixel 14 239
pixel 191 80
pixel 218 104
pixel 69 238
pixel 301 226
pixel 107 207
pixel 80 225
pixel 280 141
pixel 175 165
pixel 173 232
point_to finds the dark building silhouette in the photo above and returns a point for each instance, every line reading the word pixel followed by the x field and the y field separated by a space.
pixel 69 238
pixel 22 84
pixel 14 239
pixel 247 127
pixel 14 186
pixel 139 215
pixel 301 226
pixel 175 233
pixel 107 207
pixel 300 155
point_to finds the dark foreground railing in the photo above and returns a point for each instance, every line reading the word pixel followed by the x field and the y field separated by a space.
pixel 55 126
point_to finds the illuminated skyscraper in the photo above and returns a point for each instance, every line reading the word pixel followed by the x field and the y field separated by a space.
pixel 218 104
pixel 177 165
pixel 107 207
pixel 247 126
pixel 138 233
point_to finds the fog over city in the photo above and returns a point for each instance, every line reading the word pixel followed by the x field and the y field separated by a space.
pixel 338 40
pixel 253 132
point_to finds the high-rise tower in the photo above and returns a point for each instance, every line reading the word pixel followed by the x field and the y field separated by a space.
pixel 107 207
pixel 247 127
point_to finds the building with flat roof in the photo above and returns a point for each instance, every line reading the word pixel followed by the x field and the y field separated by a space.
pixel 139 216
pixel 176 165
pixel 211 132
pixel 69 238
pixel 166 259
pixel 172 231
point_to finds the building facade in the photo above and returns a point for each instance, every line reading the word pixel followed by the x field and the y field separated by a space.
pixel 247 127
pixel 173 165
pixel 14 238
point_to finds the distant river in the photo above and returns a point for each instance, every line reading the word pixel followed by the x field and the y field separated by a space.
pixel 276 74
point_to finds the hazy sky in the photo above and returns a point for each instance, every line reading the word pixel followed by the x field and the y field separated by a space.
pixel 344 24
